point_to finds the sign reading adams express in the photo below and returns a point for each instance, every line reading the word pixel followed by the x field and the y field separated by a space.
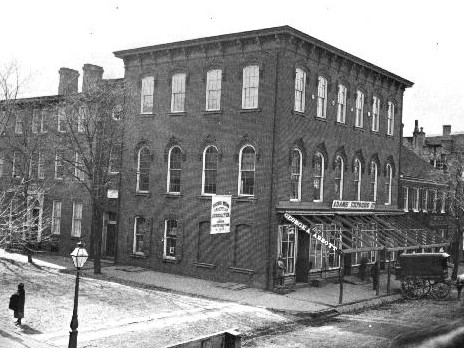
pixel 313 231
pixel 358 205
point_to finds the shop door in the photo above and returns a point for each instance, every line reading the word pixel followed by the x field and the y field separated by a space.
pixel 302 261
pixel 109 234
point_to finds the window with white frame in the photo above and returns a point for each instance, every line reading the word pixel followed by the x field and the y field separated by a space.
pixel 40 166
pixel 318 177
pixel 175 169
pixel 18 123
pixel 246 180
pixel 339 177
pixel 295 175
pixel 76 228
pixel 143 170
pixel 358 122
pixel 300 85
pixel 405 199
pixel 146 95
pixel 390 118
pixel 435 198
pixel 375 113
pixel 61 120
pixel 79 166
pixel 374 181
pixel 357 179
pixel 140 228
pixel 322 97
pixel 56 217
pixel 35 120
pixel 178 92
pixel 81 119
pixel 210 167
pixel 43 118
pixel 287 236
pixel 415 199
pixel 341 104
pixel 170 239
pixel 114 162
pixel 423 199
pixel 388 185
pixel 213 89
pixel 16 165
pixel 250 87
pixel 443 202
pixel 59 166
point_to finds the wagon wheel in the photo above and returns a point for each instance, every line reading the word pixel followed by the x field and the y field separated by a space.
pixel 415 287
pixel 441 290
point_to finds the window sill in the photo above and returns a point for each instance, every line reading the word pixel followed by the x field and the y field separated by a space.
pixel 179 113
pixel 147 115
pixel 172 195
pixel 138 256
pixel 359 129
pixel 205 197
pixel 375 133
pixel 242 270
pixel 165 260
pixel 204 265
pixel 390 136
pixel 146 194
pixel 341 124
pixel 246 111
pixel 320 119
pixel 249 199
pixel 299 113
pixel 212 112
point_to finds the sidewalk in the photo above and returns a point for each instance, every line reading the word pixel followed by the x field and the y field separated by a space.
pixel 304 302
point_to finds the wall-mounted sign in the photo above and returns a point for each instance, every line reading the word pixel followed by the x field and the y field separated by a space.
pixel 353 205
pixel 220 214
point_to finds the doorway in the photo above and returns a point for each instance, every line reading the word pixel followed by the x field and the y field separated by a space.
pixel 302 262
pixel 109 234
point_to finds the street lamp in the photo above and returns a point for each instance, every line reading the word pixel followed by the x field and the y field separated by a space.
pixel 79 257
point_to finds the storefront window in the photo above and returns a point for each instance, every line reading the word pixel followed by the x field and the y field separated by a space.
pixel 287 247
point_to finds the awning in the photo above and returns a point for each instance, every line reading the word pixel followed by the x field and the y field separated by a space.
pixel 371 232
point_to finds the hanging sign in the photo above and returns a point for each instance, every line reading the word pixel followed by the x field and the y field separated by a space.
pixel 353 205
pixel 316 234
pixel 220 214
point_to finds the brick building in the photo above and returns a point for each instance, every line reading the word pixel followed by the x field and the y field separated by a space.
pixel 39 155
pixel 298 134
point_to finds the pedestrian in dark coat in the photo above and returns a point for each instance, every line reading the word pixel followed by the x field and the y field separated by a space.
pixel 460 284
pixel 375 275
pixel 19 310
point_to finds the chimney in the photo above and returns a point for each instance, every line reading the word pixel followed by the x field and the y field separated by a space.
pixel 93 75
pixel 446 130
pixel 416 126
pixel 69 80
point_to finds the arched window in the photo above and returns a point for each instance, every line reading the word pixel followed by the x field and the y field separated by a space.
pixel 341 104
pixel 359 109
pixel 139 232
pixel 338 177
pixel 210 166
pixel 295 176
pixel 246 179
pixel 174 172
pixel 321 97
pixel 357 179
pixel 143 169
pixel 388 185
pixel 318 182
pixel 374 176
pixel 375 113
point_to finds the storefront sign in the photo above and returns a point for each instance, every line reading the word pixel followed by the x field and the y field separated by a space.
pixel 313 231
pixel 220 214
pixel 353 205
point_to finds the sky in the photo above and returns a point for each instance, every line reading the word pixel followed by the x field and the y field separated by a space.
pixel 417 40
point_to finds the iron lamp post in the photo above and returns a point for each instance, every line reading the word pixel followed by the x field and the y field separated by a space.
pixel 79 257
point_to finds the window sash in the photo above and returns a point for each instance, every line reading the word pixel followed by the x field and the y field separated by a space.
pixel 388 186
pixel 138 243
pixel 357 179
pixel 81 117
pixel 318 179
pixel 341 106
pixel 250 87
pixel 40 166
pixel 322 97
pixel 59 167
pixel 295 176
pixel 374 181
pixel 375 114
pixel 146 95
pixel 339 178
pixel 213 89
pixel 56 217
pixel 210 165
pixel 300 85
pixel 405 199
pixel 170 239
pixel 359 109
pixel 247 171
pixel 18 124
pixel 77 220
pixel 143 170
pixel 61 120
pixel 35 120
pixel 390 118
pixel 178 93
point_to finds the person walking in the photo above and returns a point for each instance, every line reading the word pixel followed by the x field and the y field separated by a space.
pixel 19 308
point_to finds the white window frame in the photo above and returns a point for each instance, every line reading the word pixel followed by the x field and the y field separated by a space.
pixel 19 123
pixel 114 157
pixel 240 170
pixel 43 116
pixel 58 163
pixel 435 200
pixel 375 182
pixel 300 90
pixel 322 97
pixel 405 198
pixel 390 118
pixel 166 237
pixel 147 95
pixel 415 207
pixel 342 176
pixel 213 90
pixel 134 243
pixel 56 218
pixel 40 166
pixel 388 184
pixel 61 117
pixel 341 103
pixel 13 167
pixel 35 120
pixel 298 175
pixel 443 203
pixel 359 109
pixel 321 177
pixel 78 167
pixel 203 177
pixel 178 83
pixel 289 259
pixel 250 87
pixel 170 170
pixel 375 113
pixel 358 179
pixel 138 171
pixel 76 228
pixel 81 118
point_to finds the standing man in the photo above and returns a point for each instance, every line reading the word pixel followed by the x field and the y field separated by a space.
pixel 19 310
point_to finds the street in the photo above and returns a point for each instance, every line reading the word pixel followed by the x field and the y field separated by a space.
pixel 115 315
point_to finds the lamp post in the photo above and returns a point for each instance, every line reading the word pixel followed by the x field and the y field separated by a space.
pixel 79 257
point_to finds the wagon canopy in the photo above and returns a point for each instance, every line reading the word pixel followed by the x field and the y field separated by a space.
pixel 424 264
pixel 363 232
